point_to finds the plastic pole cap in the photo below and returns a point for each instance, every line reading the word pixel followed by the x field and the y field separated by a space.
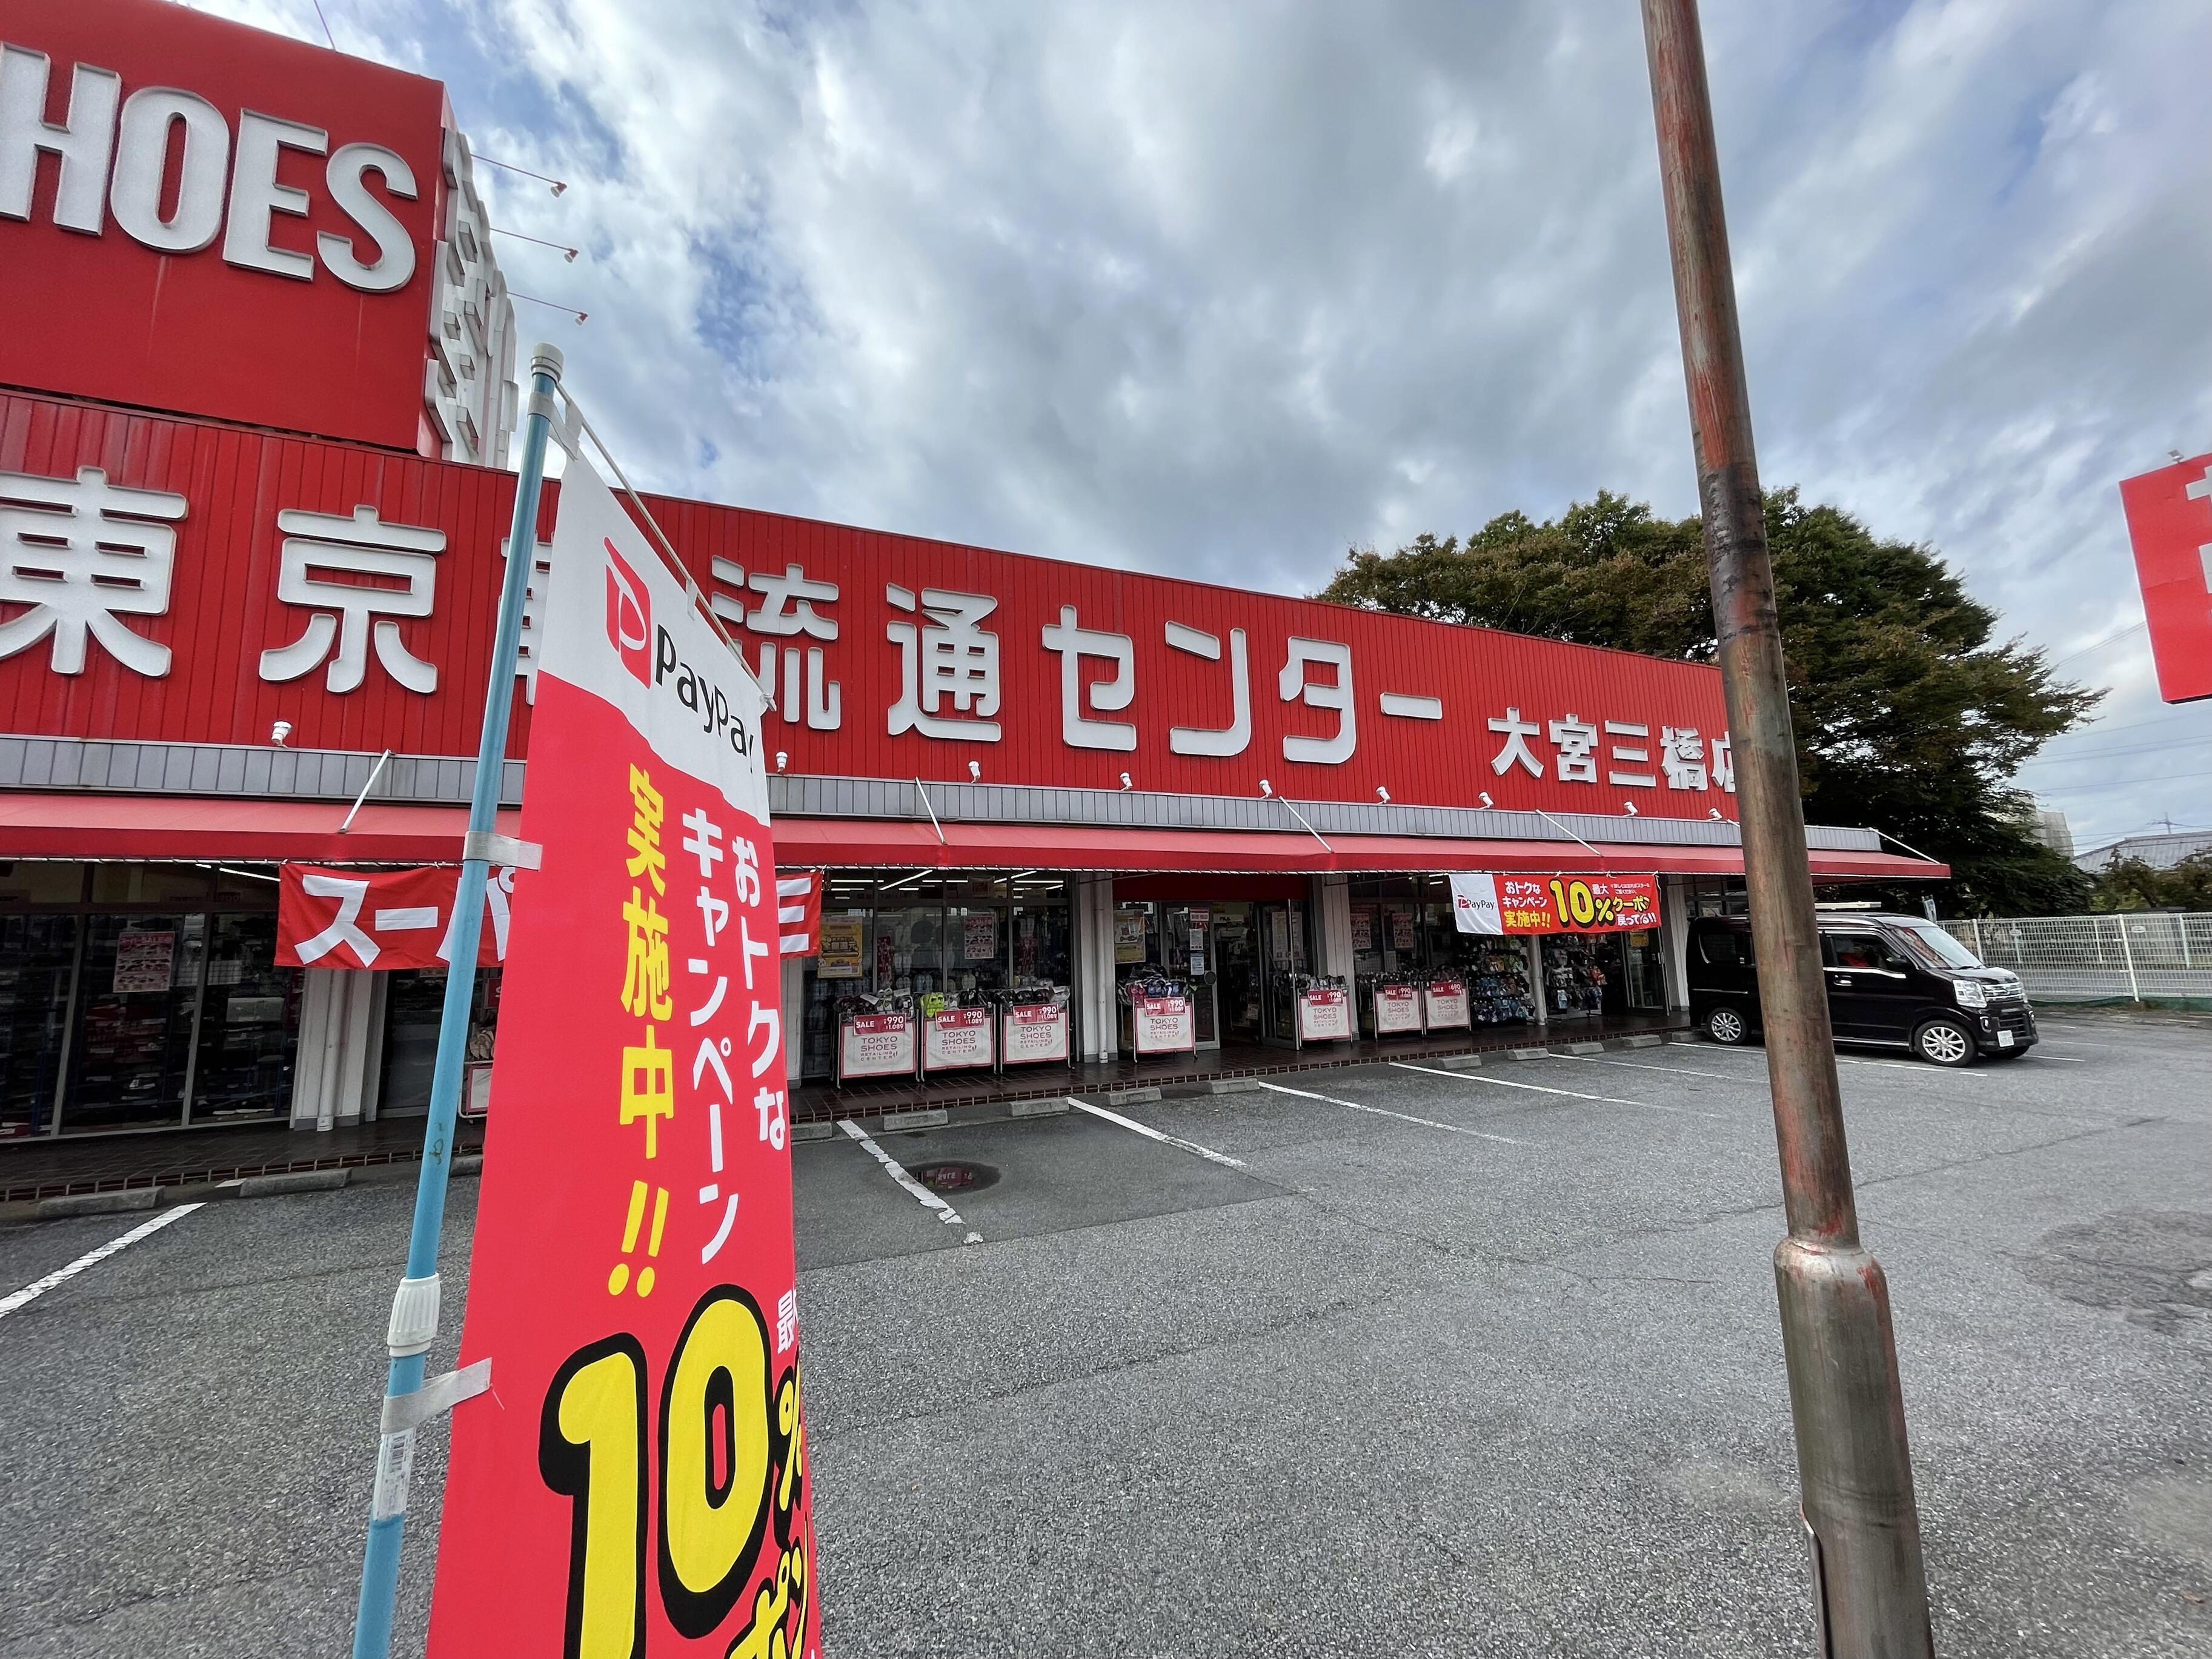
pixel 546 360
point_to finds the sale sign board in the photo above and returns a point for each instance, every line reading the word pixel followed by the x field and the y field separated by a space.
pixel 1397 1009
pixel 1036 1032
pixel 635 1482
pixel 2170 526
pixel 1162 1026
pixel 1324 1014
pixel 1488 903
pixel 957 1039
pixel 1445 1005
pixel 383 918
pixel 875 1045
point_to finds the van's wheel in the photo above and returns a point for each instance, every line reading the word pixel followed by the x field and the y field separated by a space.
pixel 1944 1043
pixel 1725 1025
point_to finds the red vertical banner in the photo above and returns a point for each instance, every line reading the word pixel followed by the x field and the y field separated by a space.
pixel 2169 527
pixel 635 1482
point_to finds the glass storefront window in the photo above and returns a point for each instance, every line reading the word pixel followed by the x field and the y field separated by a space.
pixel 414 1006
pixel 959 933
pixel 41 882
pixel 249 1024
pixel 175 884
pixel 36 956
pixel 134 1025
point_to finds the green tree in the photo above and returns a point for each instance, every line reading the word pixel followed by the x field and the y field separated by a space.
pixel 1909 717
pixel 2133 884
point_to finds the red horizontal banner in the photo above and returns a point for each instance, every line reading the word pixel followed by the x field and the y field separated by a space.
pixel 1489 903
pixel 889 656
pixel 382 918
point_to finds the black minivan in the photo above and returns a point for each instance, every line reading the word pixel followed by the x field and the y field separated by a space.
pixel 1899 980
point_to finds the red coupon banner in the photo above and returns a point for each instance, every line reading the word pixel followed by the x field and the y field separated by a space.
pixel 1487 903
pixel 636 1481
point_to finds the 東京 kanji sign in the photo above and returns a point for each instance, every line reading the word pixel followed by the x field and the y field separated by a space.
pixel 2170 524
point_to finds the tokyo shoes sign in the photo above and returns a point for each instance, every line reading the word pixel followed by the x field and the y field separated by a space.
pixel 200 216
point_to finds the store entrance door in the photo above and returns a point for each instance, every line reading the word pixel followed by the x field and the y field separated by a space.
pixel 1282 931
pixel 1233 951
pixel 1644 980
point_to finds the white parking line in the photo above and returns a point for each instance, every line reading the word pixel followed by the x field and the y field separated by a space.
pixel 1913 1066
pixel 1674 1071
pixel 896 1171
pixel 1150 1133
pixel 1403 1117
pixel 37 1288
pixel 1538 1088
pixel 2064 1059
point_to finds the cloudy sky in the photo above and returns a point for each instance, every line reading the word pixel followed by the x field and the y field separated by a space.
pixel 1222 289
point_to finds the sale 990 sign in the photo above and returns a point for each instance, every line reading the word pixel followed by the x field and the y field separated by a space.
pixel 635 1482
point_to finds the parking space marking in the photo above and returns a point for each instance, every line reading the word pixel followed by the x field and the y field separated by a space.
pixel 1150 1133
pixel 1672 1071
pixel 37 1288
pixel 1913 1066
pixel 1538 1088
pixel 896 1171
pixel 1403 1117
pixel 2064 1059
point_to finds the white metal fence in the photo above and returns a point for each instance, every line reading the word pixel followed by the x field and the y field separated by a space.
pixel 2134 957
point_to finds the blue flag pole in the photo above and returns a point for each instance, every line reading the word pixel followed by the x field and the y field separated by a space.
pixel 407 1403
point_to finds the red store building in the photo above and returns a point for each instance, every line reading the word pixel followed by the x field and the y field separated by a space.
pixel 246 620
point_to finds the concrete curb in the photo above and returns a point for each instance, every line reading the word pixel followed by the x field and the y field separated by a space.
pixel 296 1181
pixel 933 1117
pixel 812 1131
pixel 1131 1097
pixel 1036 1108
pixel 131 1198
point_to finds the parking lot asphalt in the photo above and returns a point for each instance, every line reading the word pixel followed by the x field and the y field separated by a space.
pixel 1437 1363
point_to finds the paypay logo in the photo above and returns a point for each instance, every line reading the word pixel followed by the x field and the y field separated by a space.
pixel 629 616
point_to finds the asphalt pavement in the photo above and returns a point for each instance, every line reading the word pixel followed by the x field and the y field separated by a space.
pixel 1383 1357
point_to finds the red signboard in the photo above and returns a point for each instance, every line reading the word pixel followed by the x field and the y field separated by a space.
pixel 637 1479
pixel 2170 524
pixel 202 217
pixel 382 918
pixel 890 656
pixel 1487 903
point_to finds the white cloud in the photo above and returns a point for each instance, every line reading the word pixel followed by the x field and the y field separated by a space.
pixel 1225 289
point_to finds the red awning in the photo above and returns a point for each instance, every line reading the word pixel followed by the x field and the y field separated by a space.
pixel 85 826
pixel 74 826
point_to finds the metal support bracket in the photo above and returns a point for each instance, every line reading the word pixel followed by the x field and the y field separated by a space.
pixel 405 1413
pixel 501 849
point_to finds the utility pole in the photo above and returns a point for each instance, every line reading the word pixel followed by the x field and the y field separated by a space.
pixel 1854 1470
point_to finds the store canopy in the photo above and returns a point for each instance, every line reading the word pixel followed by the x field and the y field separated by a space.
pixel 87 826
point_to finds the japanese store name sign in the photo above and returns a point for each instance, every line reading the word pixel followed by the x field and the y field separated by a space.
pixel 1486 904
pixel 636 1483
pixel 202 217
pixel 2170 525
pixel 162 581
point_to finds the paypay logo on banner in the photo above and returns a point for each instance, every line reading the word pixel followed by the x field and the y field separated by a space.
pixel 636 1482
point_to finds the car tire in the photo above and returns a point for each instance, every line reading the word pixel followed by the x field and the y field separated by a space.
pixel 1727 1027
pixel 1944 1043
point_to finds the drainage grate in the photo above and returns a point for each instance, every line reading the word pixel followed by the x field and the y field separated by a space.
pixel 954 1176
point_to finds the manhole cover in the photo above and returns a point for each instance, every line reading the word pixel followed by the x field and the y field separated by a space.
pixel 954 1176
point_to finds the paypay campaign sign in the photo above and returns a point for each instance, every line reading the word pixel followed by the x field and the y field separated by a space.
pixel 1487 903
pixel 635 1482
